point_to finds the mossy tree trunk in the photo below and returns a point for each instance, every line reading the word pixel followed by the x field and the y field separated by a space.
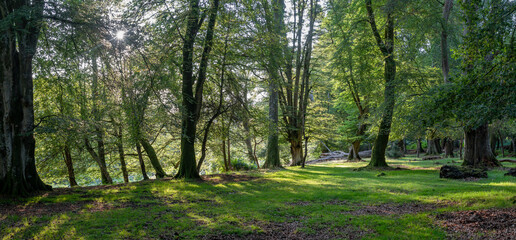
pixel 151 153
pixel 386 46
pixel 18 43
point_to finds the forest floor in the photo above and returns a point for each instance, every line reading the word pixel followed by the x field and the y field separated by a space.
pixel 325 201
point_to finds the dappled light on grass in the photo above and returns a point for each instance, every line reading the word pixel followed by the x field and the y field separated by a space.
pixel 331 198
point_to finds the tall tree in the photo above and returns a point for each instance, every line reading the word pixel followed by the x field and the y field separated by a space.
pixel 295 87
pixel 19 31
pixel 274 17
pixel 386 46
pixel 192 104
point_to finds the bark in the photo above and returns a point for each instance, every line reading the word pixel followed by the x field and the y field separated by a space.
pixel 306 152
pixel 140 159
pixel 448 5
pixel 296 151
pixel 192 104
pixel 433 144
pixel 419 146
pixel 448 148
pixel 493 141
pixel 461 144
pixel 18 44
pixel 224 157
pixel 69 166
pixel 501 143
pixel 151 153
pixel 477 151
pixel 274 22
pixel 386 46
pixel 402 146
pixel 121 154
pixel 99 158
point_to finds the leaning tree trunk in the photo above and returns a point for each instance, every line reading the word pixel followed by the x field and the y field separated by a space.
pixel 151 153
pixel 477 152
pixel 99 158
pixel 69 166
pixel 18 42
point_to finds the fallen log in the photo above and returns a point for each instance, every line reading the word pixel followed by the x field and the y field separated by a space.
pixel 507 160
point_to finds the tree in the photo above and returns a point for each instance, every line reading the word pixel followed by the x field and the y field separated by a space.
pixel 386 46
pixel 295 87
pixel 19 30
pixel 192 103
pixel 274 17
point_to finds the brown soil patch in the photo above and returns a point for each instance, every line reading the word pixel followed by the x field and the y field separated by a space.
pixel 359 209
pixel 295 230
pixel 499 224
pixel 227 178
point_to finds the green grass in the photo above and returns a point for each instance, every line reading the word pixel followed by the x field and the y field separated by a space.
pixel 302 197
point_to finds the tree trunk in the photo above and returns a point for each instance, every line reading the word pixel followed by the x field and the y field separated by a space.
pixel 229 155
pixel 448 4
pixel 477 152
pixel 296 151
pixel 493 140
pixel 461 144
pixel 151 153
pixel 121 154
pixel 387 48
pixel 99 159
pixel 448 147
pixel 224 157
pixel 432 147
pixel 501 143
pixel 18 44
pixel 142 163
pixel 192 104
pixel 275 27
pixel 69 166
pixel 420 148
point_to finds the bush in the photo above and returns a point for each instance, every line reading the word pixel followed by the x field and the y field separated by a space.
pixel 394 152
pixel 239 165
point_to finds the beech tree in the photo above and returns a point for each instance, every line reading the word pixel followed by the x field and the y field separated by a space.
pixel 192 104
pixel 386 46
pixel 19 31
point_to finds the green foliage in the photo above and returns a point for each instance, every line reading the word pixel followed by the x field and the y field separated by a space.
pixel 239 165
pixel 394 152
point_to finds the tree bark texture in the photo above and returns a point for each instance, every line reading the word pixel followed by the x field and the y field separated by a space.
pixel 192 104
pixel 274 20
pixel 142 163
pixel 69 166
pixel 121 154
pixel 477 150
pixel 99 158
pixel 448 147
pixel 445 66
pixel 18 44
pixel 386 46
pixel 151 153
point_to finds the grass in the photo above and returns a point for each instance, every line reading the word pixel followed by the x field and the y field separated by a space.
pixel 317 199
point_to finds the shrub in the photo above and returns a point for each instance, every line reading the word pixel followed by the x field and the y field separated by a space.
pixel 394 152
pixel 239 165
